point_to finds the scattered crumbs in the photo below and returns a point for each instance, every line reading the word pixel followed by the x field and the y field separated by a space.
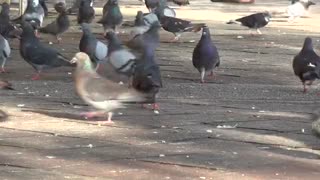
pixel 155 132
pixel 239 37
pixel 187 156
pixel 226 126
pixel 234 153
pixel 26 88
pixel 253 107
pixel 162 155
pixel 168 75
pixel 47 95
pixel 229 111
pixel 69 73
pixel 202 177
pixel 121 83
pixel 167 177
pixel 50 157
pixel 19 152
pixel 156 112
pixel 192 41
pixel 20 105
pixel 113 171
pixel 120 113
pixel 90 146
pixel 209 131
pixel 277 174
pixel 302 130
pixel 163 126
pixel 264 147
pixel 50 42
pixel 163 141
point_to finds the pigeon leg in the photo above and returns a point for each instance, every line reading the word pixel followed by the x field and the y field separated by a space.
pixel 59 39
pixel 212 74
pixel 155 106
pixel 202 74
pixel 304 88
pixel 109 121
pixel 36 33
pixel 36 76
pixel 176 38
pixel 258 31
pixel 3 70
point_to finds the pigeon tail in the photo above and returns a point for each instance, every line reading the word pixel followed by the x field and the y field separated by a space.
pixel 233 22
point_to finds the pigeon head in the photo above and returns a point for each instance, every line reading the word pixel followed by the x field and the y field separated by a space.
pixel 307 45
pixel 60 7
pixel 139 19
pixel 27 29
pixel 205 32
pixel 114 41
pixel 33 3
pixel 82 60
pixel 112 2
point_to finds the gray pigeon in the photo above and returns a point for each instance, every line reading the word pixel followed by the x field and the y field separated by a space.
pixel 37 54
pixel 5 52
pixel 162 10
pixel 59 25
pixel 89 44
pixel 122 60
pixel 99 92
pixel 306 64
pixel 205 55
pixel 147 76
pixel 112 16
pixel 7 29
pixel 33 14
pixel 149 38
pixel 86 12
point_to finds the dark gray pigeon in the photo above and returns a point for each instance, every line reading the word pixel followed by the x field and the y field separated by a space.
pixel 149 38
pixel 162 10
pixel 86 12
pixel 152 4
pixel 205 55
pixel 147 76
pixel 5 52
pixel 89 44
pixel 122 60
pixel 59 25
pixel 99 92
pixel 37 54
pixel 6 28
pixel 253 21
pixel 112 16
pixel 33 14
pixel 178 26
pixel 306 64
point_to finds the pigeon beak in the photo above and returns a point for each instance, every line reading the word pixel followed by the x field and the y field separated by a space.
pixel 73 60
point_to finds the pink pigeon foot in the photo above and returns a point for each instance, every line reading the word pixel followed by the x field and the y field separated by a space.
pixel 36 77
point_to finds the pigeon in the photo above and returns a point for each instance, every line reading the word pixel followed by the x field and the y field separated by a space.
pixel 86 12
pixel 205 55
pixel 162 10
pixel 253 21
pixel 44 6
pixel 180 2
pixel 33 14
pixel 89 44
pixel 298 9
pixel 147 77
pixel 59 25
pixel 112 16
pixel 152 4
pixel 122 60
pixel 5 52
pixel 100 92
pixel 178 26
pixel 37 54
pixel 149 38
pixel 306 64
pixel 6 28
pixel 5 85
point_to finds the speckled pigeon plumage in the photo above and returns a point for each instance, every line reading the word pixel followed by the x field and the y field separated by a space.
pixel 306 64
pixel 205 55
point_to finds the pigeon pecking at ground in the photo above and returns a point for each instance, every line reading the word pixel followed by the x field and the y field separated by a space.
pixel 99 92
pixel 205 55
pixel 37 54
pixel 89 44
pixel 112 16
pixel 178 26
pixel 306 64
pixel 86 12
pixel 5 52
pixel 59 25
pixel 253 21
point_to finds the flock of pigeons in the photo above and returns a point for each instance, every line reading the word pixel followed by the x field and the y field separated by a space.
pixel 142 70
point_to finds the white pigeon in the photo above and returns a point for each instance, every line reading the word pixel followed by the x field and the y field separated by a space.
pixel 298 9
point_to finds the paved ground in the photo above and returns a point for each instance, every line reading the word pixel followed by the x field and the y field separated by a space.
pixel 251 122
